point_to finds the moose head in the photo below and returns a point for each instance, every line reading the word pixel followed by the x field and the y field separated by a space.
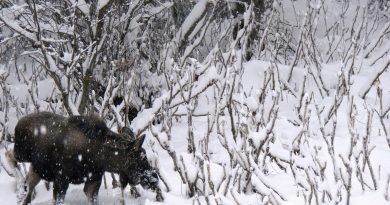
pixel 134 167
pixel 138 169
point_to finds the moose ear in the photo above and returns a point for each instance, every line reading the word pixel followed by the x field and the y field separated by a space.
pixel 127 132
pixel 138 142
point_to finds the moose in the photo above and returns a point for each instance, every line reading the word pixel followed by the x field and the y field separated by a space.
pixel 78 149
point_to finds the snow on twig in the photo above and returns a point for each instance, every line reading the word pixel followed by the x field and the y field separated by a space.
pixel 372 78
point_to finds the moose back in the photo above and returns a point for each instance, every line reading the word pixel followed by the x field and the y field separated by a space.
pixel 76 150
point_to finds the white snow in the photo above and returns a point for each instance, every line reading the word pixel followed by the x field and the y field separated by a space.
pixel 296 153
pixel 43 130
pixel 280 148
pixel 373 76
pixel 101 4
pixel 36 131
pixel 191 19
pixel 11 23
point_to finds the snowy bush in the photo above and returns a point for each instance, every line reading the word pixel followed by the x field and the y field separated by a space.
pixel 305 121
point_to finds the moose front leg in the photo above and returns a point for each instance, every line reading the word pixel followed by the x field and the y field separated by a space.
pixel 91 190
pixel 32 180
pixel 60 186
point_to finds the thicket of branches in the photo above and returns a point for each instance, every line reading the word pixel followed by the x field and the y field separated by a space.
pixel 163 58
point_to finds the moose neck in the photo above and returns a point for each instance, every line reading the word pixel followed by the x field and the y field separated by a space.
pixel 112 160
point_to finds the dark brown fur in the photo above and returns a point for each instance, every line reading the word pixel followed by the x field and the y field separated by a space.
pixel 76 150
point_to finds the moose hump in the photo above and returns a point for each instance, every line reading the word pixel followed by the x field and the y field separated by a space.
pixel 95 128
pixel 92 126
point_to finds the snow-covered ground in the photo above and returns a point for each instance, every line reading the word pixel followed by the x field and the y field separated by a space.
pixel 285 132
pixel 261 136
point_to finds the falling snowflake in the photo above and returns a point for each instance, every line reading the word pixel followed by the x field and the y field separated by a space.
pixel 36 132
pixel 43 129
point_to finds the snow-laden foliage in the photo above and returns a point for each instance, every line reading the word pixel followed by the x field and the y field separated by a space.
pixel 305 121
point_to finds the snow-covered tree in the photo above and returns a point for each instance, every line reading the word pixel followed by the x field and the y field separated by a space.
pixel 261 101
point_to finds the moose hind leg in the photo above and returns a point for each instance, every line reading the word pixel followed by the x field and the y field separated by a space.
pixel 32 180
pixel 10 165
pixel 91 190
pixel 60 186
